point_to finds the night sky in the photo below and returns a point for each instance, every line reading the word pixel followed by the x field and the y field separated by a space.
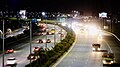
pixel 61 5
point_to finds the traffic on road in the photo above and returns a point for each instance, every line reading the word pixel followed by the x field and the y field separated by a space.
pixel 14 55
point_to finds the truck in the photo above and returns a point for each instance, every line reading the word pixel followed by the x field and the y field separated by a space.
pixel 96 47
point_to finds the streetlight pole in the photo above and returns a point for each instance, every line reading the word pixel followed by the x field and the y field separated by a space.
pixel 43 14
pixel 30 39
pixel 71 27
pixel 60 35
pixel 46 36
pixel 54 34
pixel 3 43
pixel 111 27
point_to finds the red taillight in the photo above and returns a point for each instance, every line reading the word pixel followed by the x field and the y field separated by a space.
pixel 10 50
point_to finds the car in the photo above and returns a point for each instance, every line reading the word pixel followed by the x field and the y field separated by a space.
pixel 31 56
pixel 59 32
pixel 96 47
pixel 36 49
pixel 11 61
pixel 82 30
pixel 10 51
pixel 40 41
pixel 48 41
pixel 107 61
pixel 52 31
pixel 61 35
pixel 108 58
pixel 42 49
pixel 48 33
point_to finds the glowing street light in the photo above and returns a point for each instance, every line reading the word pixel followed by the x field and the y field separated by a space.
pixel 44 15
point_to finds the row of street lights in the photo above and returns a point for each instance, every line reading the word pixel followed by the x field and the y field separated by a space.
pixel 30 28
pixel 44 15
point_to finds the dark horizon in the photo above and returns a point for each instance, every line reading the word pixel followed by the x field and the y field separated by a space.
pixel 61 5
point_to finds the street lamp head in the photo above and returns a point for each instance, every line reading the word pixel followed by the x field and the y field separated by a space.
pixel 43 13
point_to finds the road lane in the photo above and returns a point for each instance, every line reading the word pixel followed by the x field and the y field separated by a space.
pixel 22 50
pixel 82 55
pixel 115 47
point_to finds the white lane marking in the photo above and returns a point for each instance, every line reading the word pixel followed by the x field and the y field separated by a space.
pixel 72 62
pixel 59 60
pixel 87 61
pixel 108 46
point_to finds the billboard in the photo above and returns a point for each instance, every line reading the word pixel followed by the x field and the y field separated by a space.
pixel 22 14
pixel 103 15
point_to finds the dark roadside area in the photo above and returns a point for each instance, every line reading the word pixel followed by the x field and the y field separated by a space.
pixel 116 29
pixel 16 40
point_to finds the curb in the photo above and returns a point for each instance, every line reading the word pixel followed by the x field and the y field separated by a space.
pixel 66 53
pixel 113 35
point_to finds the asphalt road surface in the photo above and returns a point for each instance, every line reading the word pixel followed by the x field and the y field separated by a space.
pixel 22 50
pixel 82 55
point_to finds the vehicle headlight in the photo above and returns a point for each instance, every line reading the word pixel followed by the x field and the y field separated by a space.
pixel 93 48
pixel 98 48
pixel 32 56
pixel 104 61
pixel 44 40
pixel 111 61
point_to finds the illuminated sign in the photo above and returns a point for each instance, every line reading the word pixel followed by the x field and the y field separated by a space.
pixel 22 14
pixel 38 20
pixel 103 15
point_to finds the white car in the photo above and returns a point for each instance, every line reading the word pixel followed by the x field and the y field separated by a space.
pixel 11 61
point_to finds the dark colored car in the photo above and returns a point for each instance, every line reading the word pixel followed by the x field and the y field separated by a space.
pixel 31 57
pixel 40 41
pixel 48 41
pixel 62 35
pixel 36 49
pixel 10 51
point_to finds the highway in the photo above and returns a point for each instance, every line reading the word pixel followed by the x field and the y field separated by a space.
pixel 82 55
pixel 22 50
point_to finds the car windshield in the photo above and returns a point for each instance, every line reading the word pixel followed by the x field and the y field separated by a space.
pixel 109 59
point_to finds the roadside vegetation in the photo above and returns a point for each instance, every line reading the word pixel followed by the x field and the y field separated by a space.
pixel 49 57
pixel 45 58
